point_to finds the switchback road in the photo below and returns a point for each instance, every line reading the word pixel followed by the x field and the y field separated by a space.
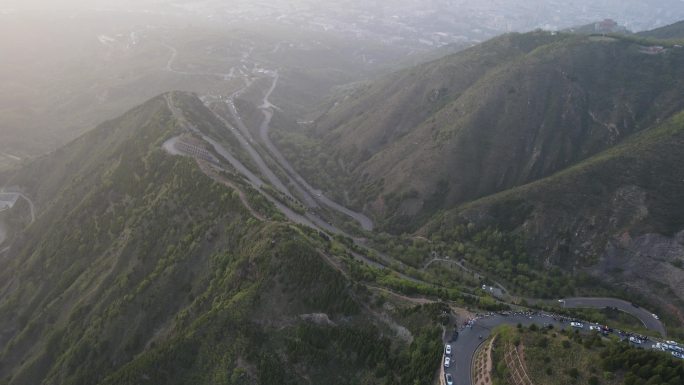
pixel 267 109
pixel 646 317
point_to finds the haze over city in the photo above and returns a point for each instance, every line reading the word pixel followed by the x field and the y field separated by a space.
pixel 432 192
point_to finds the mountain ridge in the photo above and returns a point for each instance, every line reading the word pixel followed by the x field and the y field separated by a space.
pixel 531 115
pixel 140 267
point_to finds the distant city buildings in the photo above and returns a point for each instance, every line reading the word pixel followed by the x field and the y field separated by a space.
pixel 653 50
pixel 607 26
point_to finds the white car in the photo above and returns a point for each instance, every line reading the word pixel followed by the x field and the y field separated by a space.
pixel 447 362
pixel 655 316
pixel 447 350
pixel 594 327
pixel 577 325
pixel 634 340
pixel 449 379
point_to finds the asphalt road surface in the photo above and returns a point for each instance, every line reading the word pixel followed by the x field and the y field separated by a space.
pixel 470 338
pixel 365 222
pixel 642 314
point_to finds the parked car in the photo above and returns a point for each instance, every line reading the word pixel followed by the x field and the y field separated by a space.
pixel 576 325
pixel 447 362
pixel 447 350
pixel 449 379
pixel 678 355
pixel 634 340
pixel 594 327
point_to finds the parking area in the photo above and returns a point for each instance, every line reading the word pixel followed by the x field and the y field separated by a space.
pixel 464 340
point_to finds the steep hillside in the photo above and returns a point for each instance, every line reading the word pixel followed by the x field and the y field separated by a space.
pixel 141 269
pixel 672 31
pixel 503 114
pixel 618 216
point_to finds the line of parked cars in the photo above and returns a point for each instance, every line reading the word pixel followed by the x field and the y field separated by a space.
pixel 672 347
pixel 447 362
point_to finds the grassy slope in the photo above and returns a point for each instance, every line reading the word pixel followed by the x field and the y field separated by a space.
pixel 503 114
pixel 590 181
pixel 672 31
pixel 586 218
pixel 139 268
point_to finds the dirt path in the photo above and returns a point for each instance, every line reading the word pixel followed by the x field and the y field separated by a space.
pixel 211 172
pixel 415 300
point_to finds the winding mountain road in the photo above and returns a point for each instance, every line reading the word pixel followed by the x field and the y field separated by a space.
pixel 646 317
pixel 308 195
pixel 470 338
pixel 309 219
pixel 267 109
pixel 256 157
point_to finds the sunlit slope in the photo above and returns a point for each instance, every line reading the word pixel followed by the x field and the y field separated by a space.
pixel 140 268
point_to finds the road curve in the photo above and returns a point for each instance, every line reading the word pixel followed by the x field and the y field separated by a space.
pixel 470 338
pixel 642 314
pixel 32 207
pixel 365 222
pixel 263 168
pixel 257 183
